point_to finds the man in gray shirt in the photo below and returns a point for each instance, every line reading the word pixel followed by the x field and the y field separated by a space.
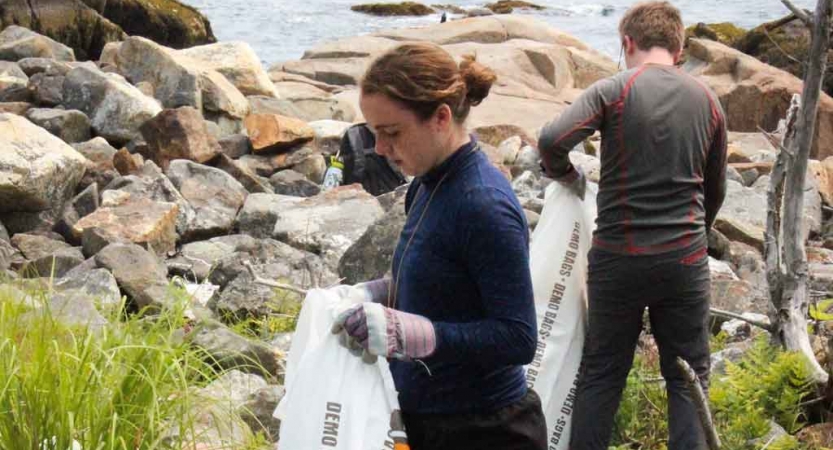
pixel 663 166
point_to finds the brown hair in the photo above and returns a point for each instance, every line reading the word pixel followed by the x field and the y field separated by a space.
pixel 423 76
pixel 654 24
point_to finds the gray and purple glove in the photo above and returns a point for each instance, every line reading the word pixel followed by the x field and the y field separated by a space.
pixel 375 330
pixel 574 180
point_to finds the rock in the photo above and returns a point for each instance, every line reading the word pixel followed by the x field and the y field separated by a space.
pixel 179 81
pixel 269 132
pixel 141 221
pixel 328 134
pixel 244 298
pixel 721 270
pixel 229 350
pixel 38 171
pixel 34 246
pixel 718 244
pixel 775 432
pixel 330 223
pixel 752 93
pixel 737 296
pixel 497 134
pixel 221 98
pixel 16 108
pixel 17 42
pixel 10 257
pixel 393 9
pixel 726 33
pixel 83 204
pixel 47 89
pixel 93 239
pixel 236 145
pixel 13 82
pixel 179 134
pixel 127 164
pixel 260 213
pixel 290 182
pixel 139 274
pixel 115 108
pixel 70 125
pixel 243 175
pixel 168 22
pixel 76 301
pixel 732 353
pixel 823 172
pixel 306 108
pixel 313 167
pixel 335 71
pixel 54 265
pixel 590 165
pixel 370 257
pixel 99 153
pixel 4 234
pixel 733 175
pixel 234 388
pixel 238 63
pixel 33 66
pixel 152 184
pixel 214 195
pixel 258 411
pixel 479 12
pixel 506 6
pixel 750 176
pixel 196 260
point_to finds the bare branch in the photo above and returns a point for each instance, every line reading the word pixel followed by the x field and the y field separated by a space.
pixel 273 284
pixel 697 395
pixel 780 49
pixel 730 315
pixel 800 13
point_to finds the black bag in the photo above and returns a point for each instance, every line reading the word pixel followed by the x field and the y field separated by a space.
pixel 363 165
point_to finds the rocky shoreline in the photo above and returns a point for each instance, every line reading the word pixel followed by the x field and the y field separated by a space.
pixel 152 163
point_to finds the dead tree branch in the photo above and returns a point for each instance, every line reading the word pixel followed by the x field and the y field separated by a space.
pixel 700 402
pixel 730 315
pixel 802 15
pixel 259 280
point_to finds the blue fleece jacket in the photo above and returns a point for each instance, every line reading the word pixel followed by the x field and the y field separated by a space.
pixel 467 270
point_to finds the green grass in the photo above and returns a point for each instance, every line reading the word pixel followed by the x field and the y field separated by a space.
pixel 126 386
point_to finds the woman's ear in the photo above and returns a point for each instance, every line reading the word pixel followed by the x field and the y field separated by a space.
pixel 443 117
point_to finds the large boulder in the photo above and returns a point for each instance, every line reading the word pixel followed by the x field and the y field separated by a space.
pixel 77 300
pixel 260 213
pixel 141 221
pixel 18 42
pixel 308 108
pixel 330 223
pixel 168 22
pixel 115 107
pixel 70 125
pixel 38 171
pixel 393 9
pixel 179 134
pixel 238 63
pixel 47 88
pixel 178 80
pixel 754 94
pixel 271 132
pixel 215 196
pixel 229 350
pixel 13 83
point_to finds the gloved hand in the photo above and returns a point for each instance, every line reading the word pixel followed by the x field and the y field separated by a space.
pixel 574 180
pixel 374 330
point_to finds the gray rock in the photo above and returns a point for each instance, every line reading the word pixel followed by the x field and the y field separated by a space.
pixel 10 257
pixel 34 246
pixel 718 244
pixel 737 296
pixel 244 298
pixel 29 222
pixel 260 213
pixel 509 150
pixel 4 234
pixel 32 66
pixel 70 125
pixel 215 196
pixel 479 12
pixel 527 185
pixel 330 223
pixel 307 108
pixel 258 411
pixel 12 71
pixel 236 145
pixel 83 204
pixel 312 167
pixel 290 182
pixel 179 134
pixel 732 353
pixel 370 257
pixel 528 160
pixel 271 260
pixel 750 176
pixel 139 274
pixel 100 162
pixel 532 219
pixel 390 199
pixel 775 432
pixel 18 42
pixel 234 388
pixel 16 108
pixel 96 285
pixel 734 175
pixel 94 239
pixel 54 265
pixel 47 88
pixel 196 260
pixel 115 108
pixel 37 170
pixel 237 62
pixel 242 173
pixel 229 350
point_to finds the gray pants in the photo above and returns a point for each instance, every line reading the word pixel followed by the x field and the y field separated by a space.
pixel 675 288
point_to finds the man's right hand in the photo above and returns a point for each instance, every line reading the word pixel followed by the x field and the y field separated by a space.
pixel 575 181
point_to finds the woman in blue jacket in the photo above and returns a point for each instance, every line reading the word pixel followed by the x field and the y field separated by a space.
pixel 457 318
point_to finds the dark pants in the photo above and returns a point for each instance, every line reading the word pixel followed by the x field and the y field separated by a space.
pixel 675 288
pixel 520 426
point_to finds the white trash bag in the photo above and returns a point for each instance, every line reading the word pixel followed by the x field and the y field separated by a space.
pixel 334 400
pixel 558 263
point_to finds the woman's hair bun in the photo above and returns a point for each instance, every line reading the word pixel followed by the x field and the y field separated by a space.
pixel 478 79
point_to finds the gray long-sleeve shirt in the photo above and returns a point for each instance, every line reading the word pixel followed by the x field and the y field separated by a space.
pixel 663 157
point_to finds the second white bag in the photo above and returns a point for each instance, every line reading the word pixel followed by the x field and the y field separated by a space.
pixel 558 263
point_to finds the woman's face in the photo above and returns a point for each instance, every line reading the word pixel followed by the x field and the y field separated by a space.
pixel 413 145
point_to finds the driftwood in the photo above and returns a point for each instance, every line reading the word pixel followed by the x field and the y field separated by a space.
pixel 265 282
pixel 695 390
pixel 802 14
pixel 730 315
pixel 786 260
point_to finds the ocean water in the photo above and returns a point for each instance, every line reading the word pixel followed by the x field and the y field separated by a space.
pixel 281 30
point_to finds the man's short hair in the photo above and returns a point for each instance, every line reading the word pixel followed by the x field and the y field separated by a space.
pixel 654 24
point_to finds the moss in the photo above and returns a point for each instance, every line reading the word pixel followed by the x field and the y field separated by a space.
pixel 724 32
pixel 507 6
pixel 167 22
pixel 393 9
